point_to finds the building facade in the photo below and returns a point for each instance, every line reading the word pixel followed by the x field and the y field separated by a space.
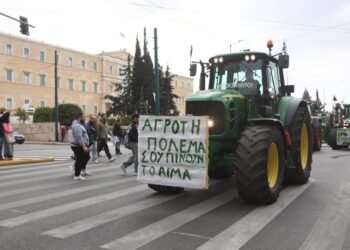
pixel 27 76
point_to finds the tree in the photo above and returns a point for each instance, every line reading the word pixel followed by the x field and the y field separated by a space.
pixel 67 113
pixel 43 114
pixel 22 115
pixel 167 103
pixel 122 104
pixel 148 74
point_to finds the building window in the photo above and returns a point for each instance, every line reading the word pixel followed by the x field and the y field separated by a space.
pixel 42 104
pixel 42 56
pixel 26 52
pixel 95 87
pixel 95 109
pixel 110 69
pixel 58 59
pixel 8 49
pixel 9 102
pixel 70 61
pixel 70 84
pixel 83 86
pixel 83 64
pixel 9 77
pixel 26 101
pixel 95 66
pixel 188 85
pixel 111 88
pixel 83 108
pixel 42 80
pixel 26 77
pixel 175 83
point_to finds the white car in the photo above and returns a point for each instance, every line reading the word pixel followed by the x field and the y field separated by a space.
pixel 28 108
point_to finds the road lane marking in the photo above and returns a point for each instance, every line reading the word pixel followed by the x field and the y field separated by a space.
pixel 72 191
pixel 100 219
pixel 46 177
pixel 330 229
pixel 47 186
pixel 235 236
pixel 157 229
pixel 23 168
pixel 38 215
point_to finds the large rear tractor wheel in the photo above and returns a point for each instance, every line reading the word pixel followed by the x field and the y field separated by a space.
pixel 166 189
pixel 332 141
pixel 260 164
pixel 301 149
pixel 317 143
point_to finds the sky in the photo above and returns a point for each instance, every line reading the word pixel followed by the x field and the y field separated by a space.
pixel 317 33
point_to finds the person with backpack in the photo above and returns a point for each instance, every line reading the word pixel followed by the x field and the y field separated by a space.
pixel 117 134
pixel 132 140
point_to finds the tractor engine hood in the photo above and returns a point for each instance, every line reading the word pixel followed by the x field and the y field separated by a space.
pixel 215 95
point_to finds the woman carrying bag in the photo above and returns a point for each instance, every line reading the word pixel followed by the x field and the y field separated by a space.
pixel 9 139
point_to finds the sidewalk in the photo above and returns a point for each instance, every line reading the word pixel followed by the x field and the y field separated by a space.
pixel 25 161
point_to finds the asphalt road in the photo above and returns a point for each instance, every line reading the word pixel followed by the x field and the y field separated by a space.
pixel 41 207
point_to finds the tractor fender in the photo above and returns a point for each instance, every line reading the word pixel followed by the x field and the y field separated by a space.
pixel 293 106
pixel 268 122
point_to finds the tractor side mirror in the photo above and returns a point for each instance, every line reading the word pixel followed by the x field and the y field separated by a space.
pixel 283 61
pixel 289 89
pixel 193 69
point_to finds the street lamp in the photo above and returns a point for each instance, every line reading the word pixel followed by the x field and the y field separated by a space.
pixel 237 42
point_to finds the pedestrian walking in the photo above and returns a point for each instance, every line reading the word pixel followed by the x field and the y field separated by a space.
pixel 2 136
pixel 91 129
pixel 7 139
pixel 102 135
pixel 133 138
pixel 80 147
pixel 117 137
pixel 63 132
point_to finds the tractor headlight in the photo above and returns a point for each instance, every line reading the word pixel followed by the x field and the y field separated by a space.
pixel 210 123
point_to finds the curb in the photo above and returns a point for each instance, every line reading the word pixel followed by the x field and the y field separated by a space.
pixel 25 161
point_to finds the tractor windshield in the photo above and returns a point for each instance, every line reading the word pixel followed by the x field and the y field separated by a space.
pixel 238 75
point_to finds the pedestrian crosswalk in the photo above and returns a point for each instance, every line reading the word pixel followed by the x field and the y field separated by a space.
pixel 113 211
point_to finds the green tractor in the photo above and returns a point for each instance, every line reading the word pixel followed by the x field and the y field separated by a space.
pixel 257 131
pixel 339 122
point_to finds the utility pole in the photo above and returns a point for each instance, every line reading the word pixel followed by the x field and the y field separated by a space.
pixel 156 71
pixel 56 98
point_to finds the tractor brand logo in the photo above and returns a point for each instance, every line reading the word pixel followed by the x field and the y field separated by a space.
pixel 247 85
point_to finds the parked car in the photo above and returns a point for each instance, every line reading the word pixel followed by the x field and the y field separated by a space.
pixel 18 137
pixel 28 108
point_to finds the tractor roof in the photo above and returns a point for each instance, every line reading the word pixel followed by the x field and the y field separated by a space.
pixel 240 55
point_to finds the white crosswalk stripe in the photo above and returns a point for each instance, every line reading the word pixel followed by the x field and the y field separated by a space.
pixel 51 196
pixel 159 228
pixel 34 216
pixel 86 224
pixel 246 228
pixel 331 227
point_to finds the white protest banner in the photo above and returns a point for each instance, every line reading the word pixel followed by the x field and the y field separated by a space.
pixel 173 151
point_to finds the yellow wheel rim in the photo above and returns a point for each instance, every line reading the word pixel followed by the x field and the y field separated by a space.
pixel 272 165
pixel 304 146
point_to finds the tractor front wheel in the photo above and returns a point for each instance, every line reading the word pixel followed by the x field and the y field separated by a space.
pixel 317 137
pixel 260 164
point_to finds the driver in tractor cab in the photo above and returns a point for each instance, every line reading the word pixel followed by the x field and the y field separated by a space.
pixel 250 83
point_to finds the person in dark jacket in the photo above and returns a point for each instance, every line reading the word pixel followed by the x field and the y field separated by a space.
pixel 118 135
pixel 91 129
pixel 133 137
pixel 80 147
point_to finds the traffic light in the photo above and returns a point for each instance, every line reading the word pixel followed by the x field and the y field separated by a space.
pixel 142 108
pixel 24 25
